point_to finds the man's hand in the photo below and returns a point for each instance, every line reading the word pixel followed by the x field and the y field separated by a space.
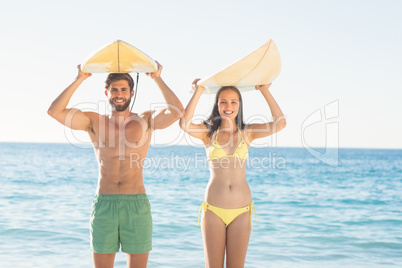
pixel 158 72
pixel 81 74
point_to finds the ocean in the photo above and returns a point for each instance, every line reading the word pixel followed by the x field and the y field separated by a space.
pixel 309 213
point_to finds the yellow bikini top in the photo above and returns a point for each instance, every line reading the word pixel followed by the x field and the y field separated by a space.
pixel 216 151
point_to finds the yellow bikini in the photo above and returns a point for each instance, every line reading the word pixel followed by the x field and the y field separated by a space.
pixel 227 215
pixel 215 151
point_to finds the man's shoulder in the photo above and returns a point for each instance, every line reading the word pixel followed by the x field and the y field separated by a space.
pixel 93 115
pixel 146 114
pixel 147 117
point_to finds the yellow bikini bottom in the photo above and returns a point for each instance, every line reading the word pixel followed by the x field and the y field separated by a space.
pixel 227 215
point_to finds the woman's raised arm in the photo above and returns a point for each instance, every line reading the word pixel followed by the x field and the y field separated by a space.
pixel 199 131
pixel 256 131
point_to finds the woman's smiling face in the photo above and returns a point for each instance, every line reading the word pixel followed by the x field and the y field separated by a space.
pixel 228 104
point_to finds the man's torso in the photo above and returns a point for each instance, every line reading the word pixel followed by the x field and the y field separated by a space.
pixel 121 146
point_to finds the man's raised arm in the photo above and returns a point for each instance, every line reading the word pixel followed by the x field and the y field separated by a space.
pixel 165 117
pixel 72 118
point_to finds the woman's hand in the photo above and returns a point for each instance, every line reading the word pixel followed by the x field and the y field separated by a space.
pixel 196 86
pixel 263 87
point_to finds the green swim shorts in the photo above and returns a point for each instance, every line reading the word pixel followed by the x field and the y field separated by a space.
pixel 121 219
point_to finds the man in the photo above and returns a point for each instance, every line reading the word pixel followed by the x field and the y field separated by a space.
pixel 121 210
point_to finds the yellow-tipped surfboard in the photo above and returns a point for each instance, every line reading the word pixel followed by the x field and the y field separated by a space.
pixel 260 67
pixel 119 57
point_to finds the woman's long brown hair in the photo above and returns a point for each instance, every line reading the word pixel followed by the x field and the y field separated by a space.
pixel 214 121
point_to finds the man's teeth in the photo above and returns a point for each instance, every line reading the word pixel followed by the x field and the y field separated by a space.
pixel 119 101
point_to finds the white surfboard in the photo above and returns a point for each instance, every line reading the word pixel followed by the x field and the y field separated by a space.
pixel 260 67
pixel 119 57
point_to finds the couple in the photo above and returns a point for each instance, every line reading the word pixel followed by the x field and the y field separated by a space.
pixel 121 212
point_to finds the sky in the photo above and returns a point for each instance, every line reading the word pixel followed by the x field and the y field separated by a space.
pixel 339 86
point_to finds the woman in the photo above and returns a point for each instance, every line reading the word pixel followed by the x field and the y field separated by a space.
pixel 226 223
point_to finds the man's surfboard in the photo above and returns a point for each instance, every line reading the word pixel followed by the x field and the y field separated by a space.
pixel 119 57
pixel 260 67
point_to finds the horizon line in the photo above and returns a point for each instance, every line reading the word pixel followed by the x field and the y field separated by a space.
pixel 201 146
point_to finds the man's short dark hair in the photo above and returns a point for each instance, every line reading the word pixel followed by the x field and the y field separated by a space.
pixel 112 77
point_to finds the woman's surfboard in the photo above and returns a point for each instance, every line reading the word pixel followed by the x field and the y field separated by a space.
pixel 260 67
pixel 119 57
